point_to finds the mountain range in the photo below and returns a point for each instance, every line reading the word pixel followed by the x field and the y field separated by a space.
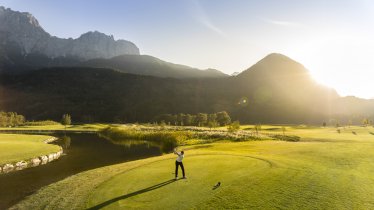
pixel 285 94
pixel 98 79
pixel 25 46
pixel 23 32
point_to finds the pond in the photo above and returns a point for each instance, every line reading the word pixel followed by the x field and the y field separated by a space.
pixel 83 152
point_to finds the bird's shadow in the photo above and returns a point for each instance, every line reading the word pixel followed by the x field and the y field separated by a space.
pixel 215 187
pixel 113 200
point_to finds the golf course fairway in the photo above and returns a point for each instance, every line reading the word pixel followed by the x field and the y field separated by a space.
pixel 325 170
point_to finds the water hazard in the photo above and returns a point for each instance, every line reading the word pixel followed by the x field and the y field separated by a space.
pixel 83 152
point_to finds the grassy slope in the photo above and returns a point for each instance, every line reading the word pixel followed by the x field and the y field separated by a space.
pixel 14 147
pixel 326 170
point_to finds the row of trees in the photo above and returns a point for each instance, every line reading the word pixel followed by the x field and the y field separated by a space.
pixel 364 122
pixel 11 119
pixel 200 119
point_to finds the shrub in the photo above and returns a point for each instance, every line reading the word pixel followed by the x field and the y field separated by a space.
pixel 40 123
pixel 286 137
pixel 163 138
pixel 233 127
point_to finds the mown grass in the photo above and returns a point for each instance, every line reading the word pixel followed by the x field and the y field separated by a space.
pixel 14 147
pixel 80 127
pixel 325 170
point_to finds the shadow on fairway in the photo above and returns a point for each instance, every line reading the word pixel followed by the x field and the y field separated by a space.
pixel 154 187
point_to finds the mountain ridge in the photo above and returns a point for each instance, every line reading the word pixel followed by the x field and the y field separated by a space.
pixel 26 46
pixel 22 29
pixel 152 66
pixel 106 95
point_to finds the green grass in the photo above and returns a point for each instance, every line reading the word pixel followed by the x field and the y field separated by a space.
pixel 325 170
pixel 80 127
pixel 14 147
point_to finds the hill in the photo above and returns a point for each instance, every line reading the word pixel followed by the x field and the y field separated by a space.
pixel 275 90
pixel 280 86
pixel 148 65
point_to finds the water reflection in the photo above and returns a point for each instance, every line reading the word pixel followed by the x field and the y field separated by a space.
pixel 164 147
pixel 83 152
pixel 65 142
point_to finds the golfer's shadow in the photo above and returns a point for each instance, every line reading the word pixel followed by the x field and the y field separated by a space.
pixel 154 187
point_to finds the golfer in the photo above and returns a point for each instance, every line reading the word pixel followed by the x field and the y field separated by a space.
pixel 179 162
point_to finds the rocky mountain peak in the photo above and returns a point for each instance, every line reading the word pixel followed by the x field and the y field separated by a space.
pixel 10 18
pixel 32 20
pixel 95 35
pixel 22 32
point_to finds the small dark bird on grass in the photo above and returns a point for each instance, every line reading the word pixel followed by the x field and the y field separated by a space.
pixel 217 185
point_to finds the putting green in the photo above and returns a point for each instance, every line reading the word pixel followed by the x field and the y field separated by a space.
pixel 17 147
pixel 152 187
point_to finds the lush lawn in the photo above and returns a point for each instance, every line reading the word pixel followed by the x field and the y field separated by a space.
pixel 325 170
pixel 14 147
pixel 81 127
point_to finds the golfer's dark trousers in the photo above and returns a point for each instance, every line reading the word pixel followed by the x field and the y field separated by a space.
pixel 176 168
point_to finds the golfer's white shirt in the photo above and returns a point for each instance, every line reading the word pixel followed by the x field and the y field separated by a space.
pixel 180 157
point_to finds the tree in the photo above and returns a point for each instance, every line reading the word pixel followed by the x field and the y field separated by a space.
pixel 223 118
pixel 324 124
pixel 365 121
pixel 193 119
pixel 187 119
pixel 212 117
pixel 3 119
pixel 201 119
pixel 284 130
pixel 11 119
pixel 20 119
pixel 257 128
pixel 233 127
pixel 180 119
pixel 212 120
pixel 167 118
pixel 174 119
pixel 66 120
pixel 212 124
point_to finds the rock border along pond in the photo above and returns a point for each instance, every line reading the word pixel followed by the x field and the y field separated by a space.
pixel 33 162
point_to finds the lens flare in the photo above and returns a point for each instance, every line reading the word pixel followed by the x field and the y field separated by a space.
pixel 243 101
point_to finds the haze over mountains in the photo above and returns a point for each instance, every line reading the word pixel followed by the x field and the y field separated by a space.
pixel 26 46
pixel 96 78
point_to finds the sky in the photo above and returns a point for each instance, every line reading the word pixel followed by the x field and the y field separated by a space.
pixel 332 39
